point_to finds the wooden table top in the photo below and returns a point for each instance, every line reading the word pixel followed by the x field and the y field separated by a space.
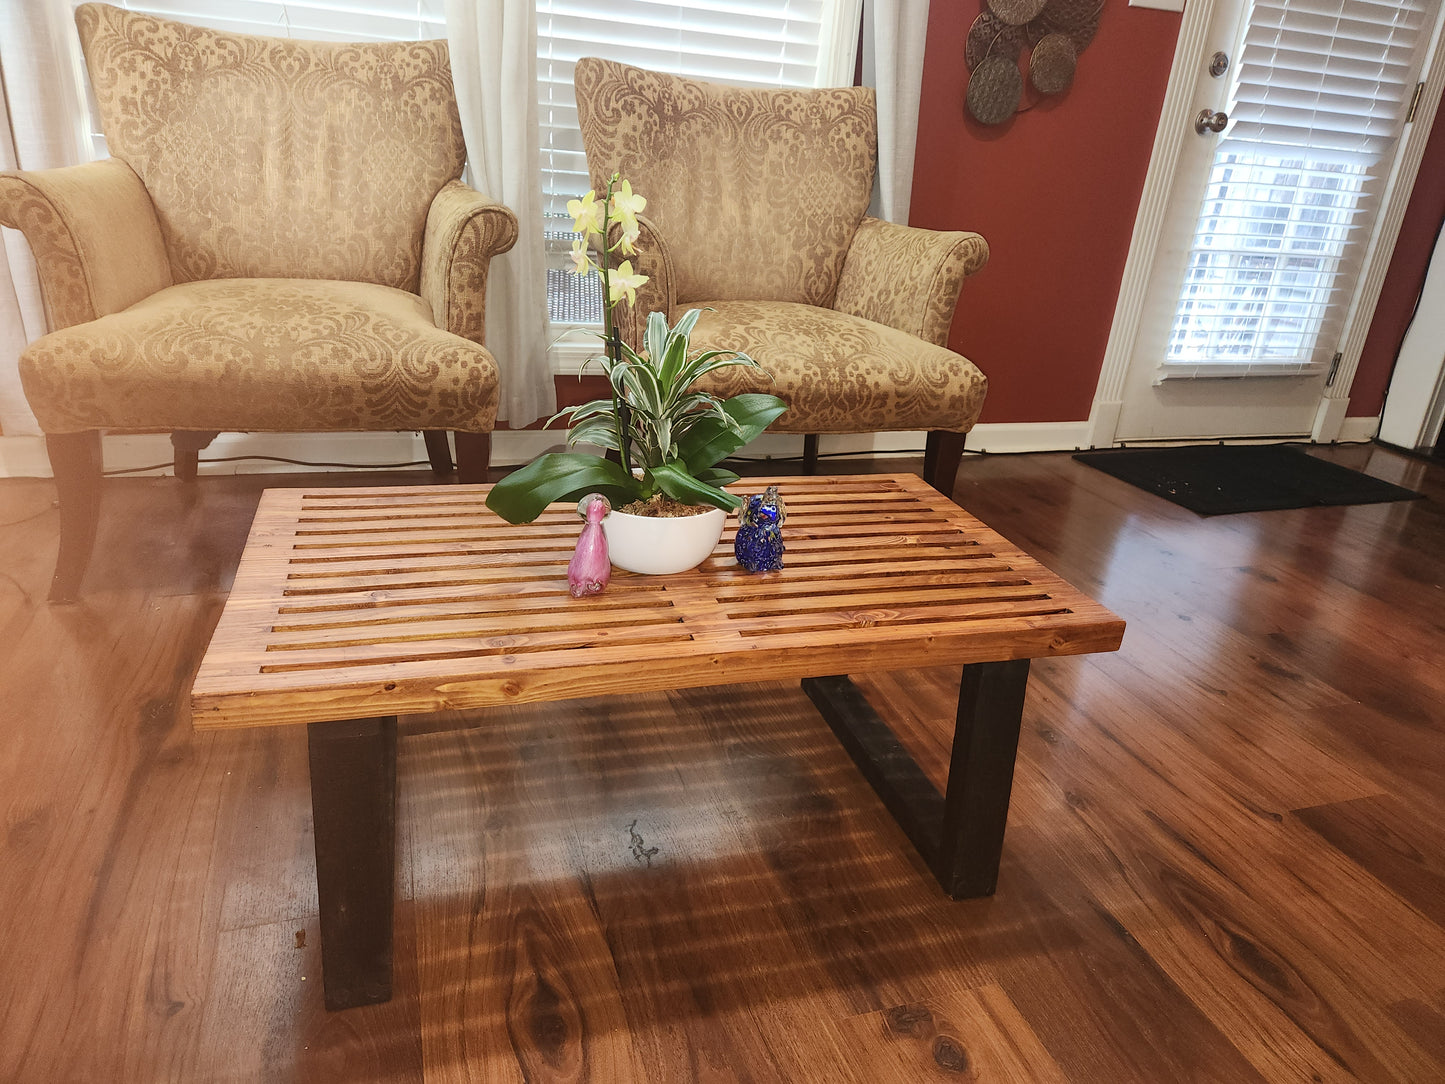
pixel 351 603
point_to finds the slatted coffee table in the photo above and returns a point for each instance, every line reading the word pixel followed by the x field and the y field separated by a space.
pixel 353 606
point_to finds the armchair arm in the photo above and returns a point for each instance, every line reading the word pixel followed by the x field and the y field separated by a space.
pixel 908 278
pixel 95 236
pixel 657 294
pixel 464 230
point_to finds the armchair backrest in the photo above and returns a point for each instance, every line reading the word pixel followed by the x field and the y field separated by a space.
pixel 269 157
pixel 757 193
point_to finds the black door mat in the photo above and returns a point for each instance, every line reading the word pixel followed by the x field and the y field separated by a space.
pixel 1218 479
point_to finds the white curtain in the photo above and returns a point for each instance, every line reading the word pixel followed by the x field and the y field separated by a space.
pixel 493 47
pixel 41 127
pixel 894 35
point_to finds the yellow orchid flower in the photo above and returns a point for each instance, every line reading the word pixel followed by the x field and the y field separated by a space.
pixel 581 257
pixel 623 281
pixel 627 244
pixel 626 206
pixel 587 214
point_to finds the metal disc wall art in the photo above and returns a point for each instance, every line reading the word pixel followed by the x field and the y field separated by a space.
pixel 1016 12
pixel 1051 64
pixel 991 36
pixel 995 89
pixel 1054 32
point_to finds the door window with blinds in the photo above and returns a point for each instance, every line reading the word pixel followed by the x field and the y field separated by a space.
pixel 1321 92
pixel 747 42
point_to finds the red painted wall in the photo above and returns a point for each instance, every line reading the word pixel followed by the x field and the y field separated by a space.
pixel 1055 192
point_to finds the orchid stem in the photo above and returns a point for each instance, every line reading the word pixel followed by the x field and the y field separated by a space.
pixel 620 410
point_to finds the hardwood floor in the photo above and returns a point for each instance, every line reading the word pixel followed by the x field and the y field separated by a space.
pixel 1225 858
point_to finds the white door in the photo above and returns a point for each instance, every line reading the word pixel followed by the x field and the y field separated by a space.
pixel 1286 146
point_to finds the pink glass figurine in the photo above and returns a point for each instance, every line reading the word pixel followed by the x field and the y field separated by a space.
pixel 590 568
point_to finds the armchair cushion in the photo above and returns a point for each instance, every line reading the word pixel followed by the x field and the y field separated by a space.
pixel 262 354
pixel 273 156
pixel 839 373
pixel 758 192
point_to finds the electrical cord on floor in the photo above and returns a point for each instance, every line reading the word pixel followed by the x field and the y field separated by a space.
pixel 27 519
pixel 276 459
pixel 29 598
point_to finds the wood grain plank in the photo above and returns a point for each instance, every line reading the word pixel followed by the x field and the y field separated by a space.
pixel 518 978
pixel 968 1035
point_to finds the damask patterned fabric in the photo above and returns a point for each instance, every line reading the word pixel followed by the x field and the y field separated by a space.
pixel 262 354
pixel 908 278
pixel 758 192
pixel 464 230
pixel 94 234
pixel 274 157
pixel 839 373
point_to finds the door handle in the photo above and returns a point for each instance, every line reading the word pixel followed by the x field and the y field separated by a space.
pixel 1210 121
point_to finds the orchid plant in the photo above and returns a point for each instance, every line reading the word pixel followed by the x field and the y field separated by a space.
pixel 667 436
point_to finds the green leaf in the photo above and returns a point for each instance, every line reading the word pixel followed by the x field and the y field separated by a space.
pixel 521 496
pixel 712 440
pixel 599 431
pixel 674 480
pixel 674 358
pixel 654 338
pixel 717 476
pixel 588 409
pixel 709 360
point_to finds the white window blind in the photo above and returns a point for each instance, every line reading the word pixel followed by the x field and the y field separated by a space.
pixel 323 20
pixel 1321 93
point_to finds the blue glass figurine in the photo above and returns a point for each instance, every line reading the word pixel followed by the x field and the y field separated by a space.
pixel 759 542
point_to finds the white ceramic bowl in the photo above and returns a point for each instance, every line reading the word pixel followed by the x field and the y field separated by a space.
pixel 658 546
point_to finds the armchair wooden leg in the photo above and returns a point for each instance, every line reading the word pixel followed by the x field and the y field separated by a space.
pixel 438 451
pixel 810 453
pixel 474 456
pixel 75 459
pixel 188 447
pixel 941 456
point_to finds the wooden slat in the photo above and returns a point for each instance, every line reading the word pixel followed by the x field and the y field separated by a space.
pixel 356 603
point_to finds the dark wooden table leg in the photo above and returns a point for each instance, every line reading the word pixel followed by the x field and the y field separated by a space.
pixel 980 777
pixel 959 834
pixel 353 807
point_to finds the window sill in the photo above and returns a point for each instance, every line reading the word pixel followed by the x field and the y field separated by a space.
pixel 1226 370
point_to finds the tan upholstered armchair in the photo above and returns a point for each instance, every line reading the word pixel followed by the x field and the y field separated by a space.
pixel 279 242
pixel 756 209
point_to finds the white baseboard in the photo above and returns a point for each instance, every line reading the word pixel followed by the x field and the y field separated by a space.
pixel 1005 437
pixel 25 457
